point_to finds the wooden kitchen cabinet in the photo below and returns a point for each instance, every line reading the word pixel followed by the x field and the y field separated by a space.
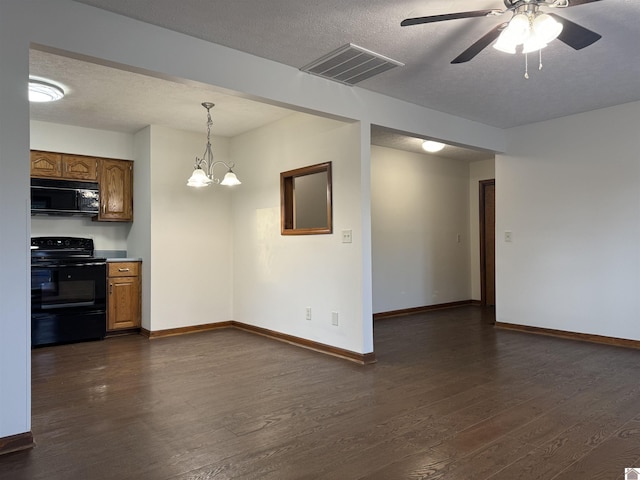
pixel 115 181
pixel 114 177
pixel 46 164
pixel 123 300
pixel 63 166
pixel 79 167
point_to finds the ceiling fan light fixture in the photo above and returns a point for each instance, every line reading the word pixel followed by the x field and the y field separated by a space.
pixel 431 146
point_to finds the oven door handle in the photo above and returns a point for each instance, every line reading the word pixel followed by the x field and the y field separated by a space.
pixel 72 264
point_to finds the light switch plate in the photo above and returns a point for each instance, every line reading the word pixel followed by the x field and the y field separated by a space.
pixel 346 236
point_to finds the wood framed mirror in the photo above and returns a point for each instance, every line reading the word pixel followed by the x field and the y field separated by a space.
pixel 306 200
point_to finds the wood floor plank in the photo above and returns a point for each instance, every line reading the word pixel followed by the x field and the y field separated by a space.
pixel 451 398
pixel 622 448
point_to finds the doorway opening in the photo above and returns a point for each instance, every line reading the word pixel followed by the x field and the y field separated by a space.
pixel 487 189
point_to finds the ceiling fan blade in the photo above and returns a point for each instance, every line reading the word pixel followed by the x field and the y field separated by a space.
pixel 574 35
pixel 480 45
pixel 447 16
pixel 573 3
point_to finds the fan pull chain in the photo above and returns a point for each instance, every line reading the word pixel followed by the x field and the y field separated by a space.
pixel 540 65
pixel 526 66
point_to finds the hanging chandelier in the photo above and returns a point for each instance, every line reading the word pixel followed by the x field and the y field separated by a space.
pixel 202 175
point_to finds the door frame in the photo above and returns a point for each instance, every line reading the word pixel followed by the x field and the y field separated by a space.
pixel 483 184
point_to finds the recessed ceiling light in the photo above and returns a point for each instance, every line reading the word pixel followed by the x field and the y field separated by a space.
pixel 40 91
pixel 431 146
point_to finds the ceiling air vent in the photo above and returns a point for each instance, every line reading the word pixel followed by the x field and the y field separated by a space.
pixel 350 64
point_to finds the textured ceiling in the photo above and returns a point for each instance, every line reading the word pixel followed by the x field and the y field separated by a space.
pixel 489 89
pixel 111 99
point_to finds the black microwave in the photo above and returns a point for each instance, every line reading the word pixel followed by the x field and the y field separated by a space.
pixel 64 197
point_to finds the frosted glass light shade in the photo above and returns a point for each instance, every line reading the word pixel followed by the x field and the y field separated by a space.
pixel 504 45
pixel 198 179
pixel 230 179
pixel 431 146
pixel 546 28
pixel 518 30
pixel 533 44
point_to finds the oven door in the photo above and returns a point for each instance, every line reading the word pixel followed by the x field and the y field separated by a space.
pixel 60 285
pixel 68 301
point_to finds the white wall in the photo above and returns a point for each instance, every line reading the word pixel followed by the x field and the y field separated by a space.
pixel 15 324
pixel 191 234
pixel 419 206
pixel 81 141
pixel 569 190
pixel 276 276
pixel 56 137
pixel 481 170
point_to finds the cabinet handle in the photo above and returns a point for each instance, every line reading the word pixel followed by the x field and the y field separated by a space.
pixel 110 288
pixel 104 207
pixel 123 269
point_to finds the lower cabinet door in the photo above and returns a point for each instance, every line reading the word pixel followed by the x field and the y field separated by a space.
pixel 124 303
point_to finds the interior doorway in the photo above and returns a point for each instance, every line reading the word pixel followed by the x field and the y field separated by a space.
pixel 487 189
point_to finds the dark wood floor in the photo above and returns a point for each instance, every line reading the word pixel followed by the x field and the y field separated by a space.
pixel 450 398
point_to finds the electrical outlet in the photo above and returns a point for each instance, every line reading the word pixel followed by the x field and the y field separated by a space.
pixel 346 236
pixel 334 318
pixel 308 316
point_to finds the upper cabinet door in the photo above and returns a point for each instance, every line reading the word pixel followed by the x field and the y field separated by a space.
pixel 116 190
pixel 79 167
pixel 46 164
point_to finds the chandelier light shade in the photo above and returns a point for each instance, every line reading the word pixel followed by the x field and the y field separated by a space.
pixel 41 91
pixel 230 179
pixel 202 175
pixel 198 178
pixel 431 146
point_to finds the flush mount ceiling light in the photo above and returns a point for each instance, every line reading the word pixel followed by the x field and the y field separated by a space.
pixel 204 177
pixel 431 146
pixel 41 91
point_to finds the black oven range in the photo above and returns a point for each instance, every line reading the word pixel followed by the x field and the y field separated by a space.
pixel 68 291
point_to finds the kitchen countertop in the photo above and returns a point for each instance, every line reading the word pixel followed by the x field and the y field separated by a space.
pixel 124 259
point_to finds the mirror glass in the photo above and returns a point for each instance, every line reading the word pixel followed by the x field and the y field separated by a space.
pixel 305 195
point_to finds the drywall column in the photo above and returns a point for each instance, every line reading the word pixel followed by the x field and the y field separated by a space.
pixel 365 228
pixel 139 239
pixel 15 342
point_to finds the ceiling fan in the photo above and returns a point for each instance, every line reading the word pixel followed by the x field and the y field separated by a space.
pixel 529 29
